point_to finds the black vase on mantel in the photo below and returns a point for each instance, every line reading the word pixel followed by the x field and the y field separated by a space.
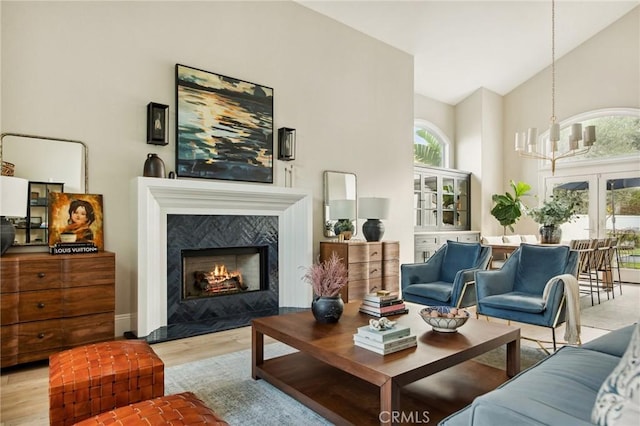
pixel 153 166
pixel 550 234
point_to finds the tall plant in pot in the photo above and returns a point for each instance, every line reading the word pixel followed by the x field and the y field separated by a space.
pixel 327 279
pixel 550 216
pixel 508 208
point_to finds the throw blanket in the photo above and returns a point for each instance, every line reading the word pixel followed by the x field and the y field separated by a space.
pixel 572 296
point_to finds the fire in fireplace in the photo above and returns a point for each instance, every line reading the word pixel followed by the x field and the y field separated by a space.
pixel 222 271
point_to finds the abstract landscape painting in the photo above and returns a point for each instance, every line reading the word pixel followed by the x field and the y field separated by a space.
pixel 224 127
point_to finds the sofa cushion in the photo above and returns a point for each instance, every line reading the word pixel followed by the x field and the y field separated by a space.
pixel 615 342
pixel 511 239
pixel 495 239
pixel 438 290
pixel 618 400
pixel 537 265
pixel 458 256
pixel 534 394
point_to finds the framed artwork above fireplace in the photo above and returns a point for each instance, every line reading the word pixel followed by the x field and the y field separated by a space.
pixel 224 127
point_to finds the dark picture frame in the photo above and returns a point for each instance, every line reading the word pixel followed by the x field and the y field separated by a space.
pixel 224 127
pixel 157 124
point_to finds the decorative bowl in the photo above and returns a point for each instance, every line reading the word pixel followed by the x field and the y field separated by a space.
pixel 448 319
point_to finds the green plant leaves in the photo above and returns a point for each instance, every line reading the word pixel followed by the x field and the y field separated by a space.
pixel 508 207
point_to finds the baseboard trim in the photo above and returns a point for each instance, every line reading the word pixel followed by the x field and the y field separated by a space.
pixel 123 324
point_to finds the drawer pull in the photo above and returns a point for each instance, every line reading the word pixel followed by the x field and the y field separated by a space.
pixel 40 335
pixel 41 274
pixel 374 253
pixel 374 270
pixel 40 305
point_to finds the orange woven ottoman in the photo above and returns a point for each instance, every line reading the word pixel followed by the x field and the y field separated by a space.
pixel 92 379
pixel 175 410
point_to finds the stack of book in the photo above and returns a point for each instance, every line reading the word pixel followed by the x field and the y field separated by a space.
pixel 386 341
pixel 73 248
pixel 378 305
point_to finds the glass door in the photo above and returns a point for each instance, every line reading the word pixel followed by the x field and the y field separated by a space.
pixel 583 191
pixel 608 207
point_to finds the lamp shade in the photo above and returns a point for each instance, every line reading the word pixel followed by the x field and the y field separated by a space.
pixel 342 209
pixel 13 196
pixel 374 208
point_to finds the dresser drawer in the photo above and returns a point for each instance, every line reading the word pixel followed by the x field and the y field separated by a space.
pixel 8 344
pixel 390 250
pixel 41 275
pixel 9 276
pixel 390 268
pixel 375 269
pixel 88 300
pixel 39 305
pixel 89 272
pixel 39 336
pixel 358 271
pixel 88 329
pixel 358 253
pixel 9 304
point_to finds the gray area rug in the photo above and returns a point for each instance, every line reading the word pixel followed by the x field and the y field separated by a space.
pixel 224 383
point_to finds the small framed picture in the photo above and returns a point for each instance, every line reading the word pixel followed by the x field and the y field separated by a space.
pixel 157 124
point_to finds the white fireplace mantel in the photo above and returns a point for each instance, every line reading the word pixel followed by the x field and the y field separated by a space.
pixel 155 198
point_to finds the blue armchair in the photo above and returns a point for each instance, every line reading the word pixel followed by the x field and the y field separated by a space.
pixel 446 278
pixel 515 292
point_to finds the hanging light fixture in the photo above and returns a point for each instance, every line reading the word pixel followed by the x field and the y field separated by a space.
pixel 527 143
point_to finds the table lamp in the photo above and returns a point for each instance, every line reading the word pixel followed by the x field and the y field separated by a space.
pixel 13 203
pixel 373 209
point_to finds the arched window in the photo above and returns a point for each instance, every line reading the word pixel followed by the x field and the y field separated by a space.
pixel 430 145
pixel 617 135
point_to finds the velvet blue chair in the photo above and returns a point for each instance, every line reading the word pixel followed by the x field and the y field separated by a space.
pixel 446 278
pixel 515 292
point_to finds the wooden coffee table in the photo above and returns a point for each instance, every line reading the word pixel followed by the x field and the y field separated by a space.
pixel 350 385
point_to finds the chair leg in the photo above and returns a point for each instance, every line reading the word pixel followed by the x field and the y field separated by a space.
pixel 553 334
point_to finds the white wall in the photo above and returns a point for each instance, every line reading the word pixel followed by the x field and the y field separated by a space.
pixel 86 70
pixel 478 129
pixel 440 114
pixel 603 72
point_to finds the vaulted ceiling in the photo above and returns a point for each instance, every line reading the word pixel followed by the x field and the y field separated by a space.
pixel 460 46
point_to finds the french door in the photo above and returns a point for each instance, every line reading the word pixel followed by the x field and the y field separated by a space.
pixel 609 206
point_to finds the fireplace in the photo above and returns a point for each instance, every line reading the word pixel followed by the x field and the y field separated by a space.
pixel 222 271
pixel 243 243
pixel 157 200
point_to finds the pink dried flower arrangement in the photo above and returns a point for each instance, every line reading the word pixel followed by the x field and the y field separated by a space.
pixel 328 277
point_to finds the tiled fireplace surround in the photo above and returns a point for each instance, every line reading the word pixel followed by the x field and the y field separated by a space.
pixel 157 198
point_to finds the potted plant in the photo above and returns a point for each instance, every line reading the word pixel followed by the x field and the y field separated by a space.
pixel 508 208
pixel 327 279
pixel 550 216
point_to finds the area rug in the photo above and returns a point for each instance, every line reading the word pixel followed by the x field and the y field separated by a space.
pixel 224 383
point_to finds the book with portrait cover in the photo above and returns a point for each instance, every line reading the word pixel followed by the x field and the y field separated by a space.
pixel 75 219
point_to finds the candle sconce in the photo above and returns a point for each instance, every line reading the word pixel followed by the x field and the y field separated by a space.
pixel 286 144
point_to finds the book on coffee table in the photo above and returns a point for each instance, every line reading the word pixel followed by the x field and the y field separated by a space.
pixel 384 348
pixel 395 332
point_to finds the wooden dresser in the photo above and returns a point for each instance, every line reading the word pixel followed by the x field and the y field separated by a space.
pixel 371 266
pixel 50 303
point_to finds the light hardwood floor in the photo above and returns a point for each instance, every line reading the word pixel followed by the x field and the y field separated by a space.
pixel 24 390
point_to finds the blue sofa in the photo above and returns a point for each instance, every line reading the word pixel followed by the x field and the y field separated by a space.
pixel 559 390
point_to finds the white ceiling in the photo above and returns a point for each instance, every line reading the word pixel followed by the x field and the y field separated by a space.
pixel 460 46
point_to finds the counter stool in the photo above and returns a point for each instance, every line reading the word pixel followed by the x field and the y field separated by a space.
pixel 92 379
pixel 177 410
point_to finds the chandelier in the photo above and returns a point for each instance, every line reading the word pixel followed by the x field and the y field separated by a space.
pixel 526 144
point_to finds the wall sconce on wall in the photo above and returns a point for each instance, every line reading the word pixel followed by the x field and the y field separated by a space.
pixel 286 144
pixel 157 124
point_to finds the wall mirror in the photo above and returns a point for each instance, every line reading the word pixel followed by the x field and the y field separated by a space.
pixel 47 159
pixel 340 203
